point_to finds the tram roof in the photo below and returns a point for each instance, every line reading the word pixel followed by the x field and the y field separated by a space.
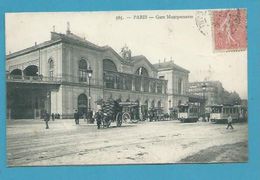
pixel 224 105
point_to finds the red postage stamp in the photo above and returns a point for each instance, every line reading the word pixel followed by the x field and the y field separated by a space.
pixel 229 30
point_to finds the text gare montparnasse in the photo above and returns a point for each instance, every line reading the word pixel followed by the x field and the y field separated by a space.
pixel 142 17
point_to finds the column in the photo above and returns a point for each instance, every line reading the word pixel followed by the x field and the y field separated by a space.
pixel 22 74
pixel 142 84
pixel 124 82
pixel 149 86
pixel 156 87
pixel 133 83
pixel 140 111
pixel 115 80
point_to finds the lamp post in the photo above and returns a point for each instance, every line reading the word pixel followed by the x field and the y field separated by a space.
pixel 204 86
pixel 89 72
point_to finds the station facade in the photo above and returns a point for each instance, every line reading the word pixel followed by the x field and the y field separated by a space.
pixel 53 76
pixel 177 86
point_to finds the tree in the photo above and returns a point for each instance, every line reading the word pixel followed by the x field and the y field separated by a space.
pixel 231 98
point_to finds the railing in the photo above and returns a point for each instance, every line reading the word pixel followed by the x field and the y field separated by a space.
pixel 133 82
pixel 97 82
pixel 121 81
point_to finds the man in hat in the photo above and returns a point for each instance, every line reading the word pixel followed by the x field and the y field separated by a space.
pixel 98 117
pixel 229 122
pixel 76 117
pixel 46 117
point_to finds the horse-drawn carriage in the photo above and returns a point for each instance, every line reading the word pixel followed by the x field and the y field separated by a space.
pixel 118 112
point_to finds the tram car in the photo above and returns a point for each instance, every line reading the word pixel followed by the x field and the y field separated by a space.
pixel 188 113
pixel 117 112
pixel 220 113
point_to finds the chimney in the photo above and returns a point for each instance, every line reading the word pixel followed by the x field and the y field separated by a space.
pixel 164 59
pixel 68 28
pixel 53 28
pixel 35 43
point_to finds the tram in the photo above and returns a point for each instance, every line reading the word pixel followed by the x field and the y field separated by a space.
pixel 188 113
pixel 220 113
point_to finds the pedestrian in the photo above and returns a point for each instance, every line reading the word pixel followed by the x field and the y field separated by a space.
pixel 98 117
pixel 84 116
pixel 52 116
pixel 46 119
pixel 229 122
pixel 76 117
pixel 91 116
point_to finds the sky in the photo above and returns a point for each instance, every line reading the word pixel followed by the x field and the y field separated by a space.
pixel 184 38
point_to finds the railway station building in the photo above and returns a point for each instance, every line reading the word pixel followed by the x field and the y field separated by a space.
pixel 177 86
pixel 68 72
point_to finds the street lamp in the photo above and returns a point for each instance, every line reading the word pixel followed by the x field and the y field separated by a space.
pixel 89 72
pixel 204 86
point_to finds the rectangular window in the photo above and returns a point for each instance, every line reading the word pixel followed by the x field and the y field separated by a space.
pixel 109 80
pixel 159 87
pixel 146 84
pixel 128 83
pixel 82 76
pixel 153 86
pixel 161 77
pixel 51 75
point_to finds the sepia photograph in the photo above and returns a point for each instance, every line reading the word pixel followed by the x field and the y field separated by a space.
pixel 126 87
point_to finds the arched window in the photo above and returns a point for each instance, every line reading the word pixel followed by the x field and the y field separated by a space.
pixel 82 104
pixel 83 66
pixel 110 78
pixel 51 63
pixel 141 71
pixel 109 65
pixel 51 67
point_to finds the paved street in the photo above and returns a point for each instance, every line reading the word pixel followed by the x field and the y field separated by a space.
pixel 29 143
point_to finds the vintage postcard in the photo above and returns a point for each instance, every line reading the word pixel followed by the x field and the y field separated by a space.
pixel 126 87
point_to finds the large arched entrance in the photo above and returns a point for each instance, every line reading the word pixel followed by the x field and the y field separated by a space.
pixel 82 104
pixel 159 104
pixel 31 70
pixel 16 74
pixel 136 113
pixel 144 109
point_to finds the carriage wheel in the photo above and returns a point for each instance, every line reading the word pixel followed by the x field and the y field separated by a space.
pixel 126 117
pixel 119 120
pixel 108 123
